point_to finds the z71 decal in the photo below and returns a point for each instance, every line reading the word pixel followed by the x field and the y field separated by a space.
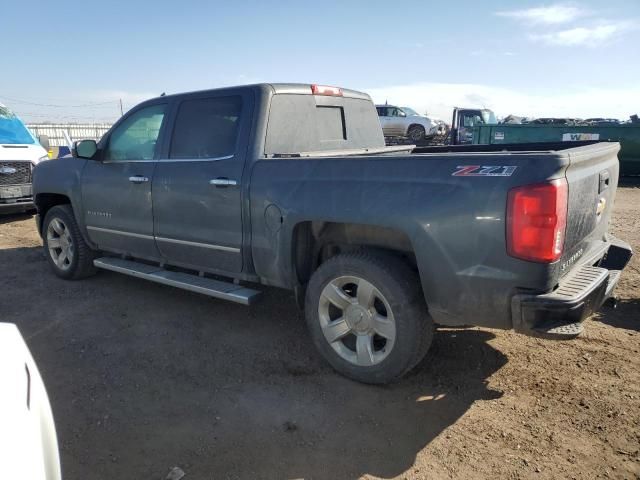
pixel 484 171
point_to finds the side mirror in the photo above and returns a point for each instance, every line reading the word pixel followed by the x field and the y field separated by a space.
pixel 44 141
pixel 84 149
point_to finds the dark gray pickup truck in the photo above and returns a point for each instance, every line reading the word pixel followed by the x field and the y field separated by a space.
pixel 292 186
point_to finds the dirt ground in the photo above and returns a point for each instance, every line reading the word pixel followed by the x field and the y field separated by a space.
pixel 143 378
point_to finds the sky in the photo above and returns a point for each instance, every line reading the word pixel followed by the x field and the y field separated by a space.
pixel 73 61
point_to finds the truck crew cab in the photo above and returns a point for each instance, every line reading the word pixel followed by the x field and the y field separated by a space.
pixel 292 186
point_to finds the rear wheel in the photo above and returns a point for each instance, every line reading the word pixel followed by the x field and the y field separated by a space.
pixel 367 316
pixel 416 133
pixel 68 254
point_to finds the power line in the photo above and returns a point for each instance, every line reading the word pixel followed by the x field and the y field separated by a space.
pixel 68 117
pixel 48 99
pixel 85 105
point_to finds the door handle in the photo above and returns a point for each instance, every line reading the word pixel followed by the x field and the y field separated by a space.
pixel 223 182
pixel 138 179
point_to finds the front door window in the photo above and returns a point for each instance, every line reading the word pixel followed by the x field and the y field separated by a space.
pixel 136 137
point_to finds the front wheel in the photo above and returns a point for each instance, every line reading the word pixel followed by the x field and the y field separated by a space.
pixel 367 316
pixel 416 133
pixel 68 254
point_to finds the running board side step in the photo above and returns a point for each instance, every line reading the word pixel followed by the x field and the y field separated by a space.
pixel 193 283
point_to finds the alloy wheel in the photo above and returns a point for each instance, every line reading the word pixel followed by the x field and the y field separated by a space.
pixel 60 244
pixel 357 320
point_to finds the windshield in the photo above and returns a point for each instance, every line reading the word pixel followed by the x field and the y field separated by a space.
pixel 12 130
pixel 409 111
pixel 489 117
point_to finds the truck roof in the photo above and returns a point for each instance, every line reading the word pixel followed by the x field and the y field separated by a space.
pixel 289 122
pixel 277 88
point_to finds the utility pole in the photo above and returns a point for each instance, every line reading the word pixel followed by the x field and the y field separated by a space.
pixel 121 112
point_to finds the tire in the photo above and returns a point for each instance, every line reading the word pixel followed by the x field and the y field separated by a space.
pixel 367 317
pixel 62 238
pixel 416 133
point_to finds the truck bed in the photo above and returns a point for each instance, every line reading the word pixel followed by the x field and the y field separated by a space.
pixel 539 147
pixel 506 147
pixel 454 221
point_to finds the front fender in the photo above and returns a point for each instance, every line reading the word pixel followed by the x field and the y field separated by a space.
pixel 62 177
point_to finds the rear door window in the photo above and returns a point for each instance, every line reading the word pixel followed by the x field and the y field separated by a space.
pixel 206 128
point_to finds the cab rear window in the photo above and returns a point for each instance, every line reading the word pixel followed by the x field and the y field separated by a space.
pixel 315 123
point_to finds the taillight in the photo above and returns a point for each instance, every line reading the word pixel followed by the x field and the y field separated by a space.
pixel 537 220
pixel 325 90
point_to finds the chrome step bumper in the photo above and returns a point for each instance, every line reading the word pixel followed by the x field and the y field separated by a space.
pixel 560 314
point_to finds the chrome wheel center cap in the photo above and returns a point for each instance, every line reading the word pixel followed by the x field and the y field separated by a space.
pixel 358 318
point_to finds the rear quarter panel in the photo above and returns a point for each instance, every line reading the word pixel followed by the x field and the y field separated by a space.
pixel 455 223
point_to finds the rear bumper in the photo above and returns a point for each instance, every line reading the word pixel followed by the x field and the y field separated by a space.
pixel 560 314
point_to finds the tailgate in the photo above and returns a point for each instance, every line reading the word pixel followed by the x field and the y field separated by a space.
pixel 592 177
